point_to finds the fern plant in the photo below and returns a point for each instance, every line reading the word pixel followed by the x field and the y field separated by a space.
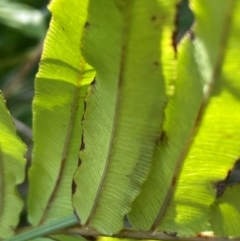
pixel 126 125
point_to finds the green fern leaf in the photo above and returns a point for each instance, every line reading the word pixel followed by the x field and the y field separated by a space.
pixel 181 113
pixel 58 107
pixel 225 211
pixel 124 114
pixel 202 143
pixel 12 173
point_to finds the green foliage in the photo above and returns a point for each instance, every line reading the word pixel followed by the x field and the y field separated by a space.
pixel 22 30
pixel 126 132
pixel 151 134
pixel 182 109
pixel 58 107
pixel 23 18
pixel 12 168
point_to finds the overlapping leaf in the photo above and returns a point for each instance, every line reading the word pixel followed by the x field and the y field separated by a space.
pixel 128 43
pixel 181 114
pixel 12 172
pixel 183 206
pixel 225 218
pixel 225 213
pixel 124 109
pixel 58 108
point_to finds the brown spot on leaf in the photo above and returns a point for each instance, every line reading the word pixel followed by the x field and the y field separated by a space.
pixel 84 110
pixel 173 181
pixel 163 137
pixel 176 23
pixel 87 25
pixel 156 63
pixel 153 18
pixel 79 162
pixel 74 187
pixel 82 147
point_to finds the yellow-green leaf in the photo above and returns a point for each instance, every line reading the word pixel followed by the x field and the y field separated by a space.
pixel 224 216
pixel 124 108
pixel 58 107
pixel 12 173
pixel 181 113
pixel 200 144
pixel 225 213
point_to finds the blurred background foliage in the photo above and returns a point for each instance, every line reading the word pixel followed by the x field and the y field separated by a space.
pixel 23 26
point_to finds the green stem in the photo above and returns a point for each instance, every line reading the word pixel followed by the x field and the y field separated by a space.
pixel 46 229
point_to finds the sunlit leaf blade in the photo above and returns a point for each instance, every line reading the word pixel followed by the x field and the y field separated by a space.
pixel 181 113
pixel 168 54
pixel 124 109
pixel 184 208
pixel 225 213
pixel 145 208
pixel 216 142
pixel 58 107
pixel 12 172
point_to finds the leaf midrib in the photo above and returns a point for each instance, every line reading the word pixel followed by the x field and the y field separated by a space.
pixel 72 120
pixel 125 32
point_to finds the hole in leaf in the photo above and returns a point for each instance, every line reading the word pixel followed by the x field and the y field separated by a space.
pixel 233 177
